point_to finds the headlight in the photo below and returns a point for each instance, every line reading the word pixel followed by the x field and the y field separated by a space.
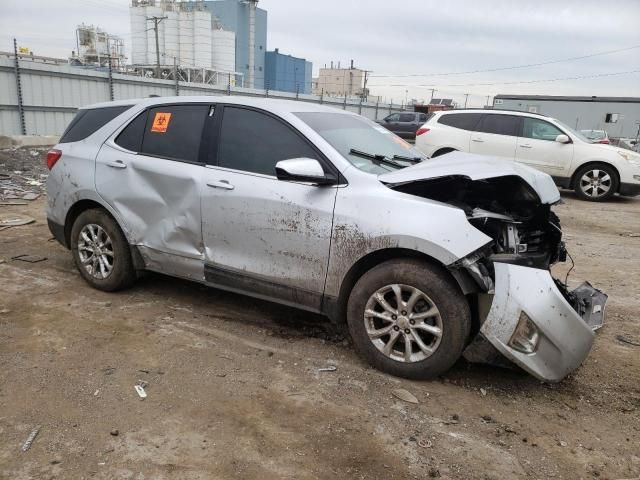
pixel 630 157
pixel 525 338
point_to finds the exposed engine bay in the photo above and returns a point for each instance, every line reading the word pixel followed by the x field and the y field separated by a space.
pixel 525 232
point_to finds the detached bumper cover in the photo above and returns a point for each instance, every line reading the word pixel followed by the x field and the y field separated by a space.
pixel 565 337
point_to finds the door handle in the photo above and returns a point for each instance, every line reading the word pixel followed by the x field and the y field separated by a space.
pixel 477 140
pixel 222 184
pixel 526 146
pixel 116 164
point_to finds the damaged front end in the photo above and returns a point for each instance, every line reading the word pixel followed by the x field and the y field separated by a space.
pixel 524 314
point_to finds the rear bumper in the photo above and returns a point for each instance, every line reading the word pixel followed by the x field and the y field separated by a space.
pixel 629 189
pixel 565 338
pixel 57 231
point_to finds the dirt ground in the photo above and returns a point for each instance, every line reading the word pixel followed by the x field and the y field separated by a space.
pixel 234 387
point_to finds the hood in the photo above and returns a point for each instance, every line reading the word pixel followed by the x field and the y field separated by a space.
pixel 475 167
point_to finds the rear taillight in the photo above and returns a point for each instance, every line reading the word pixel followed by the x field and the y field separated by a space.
pixel 421 131
pixel 604 141
pixel 53 156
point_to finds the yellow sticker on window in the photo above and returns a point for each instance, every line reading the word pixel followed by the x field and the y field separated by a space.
pixel 161 122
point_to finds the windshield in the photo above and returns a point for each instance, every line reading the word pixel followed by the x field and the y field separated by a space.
pixel 594 134
pixel 571 130
pixel 367 145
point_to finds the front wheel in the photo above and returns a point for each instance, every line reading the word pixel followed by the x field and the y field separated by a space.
pixel 101 251
pixel 596 182
pixel 407 318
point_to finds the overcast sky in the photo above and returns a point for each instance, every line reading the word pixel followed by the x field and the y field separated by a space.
pixel 406 37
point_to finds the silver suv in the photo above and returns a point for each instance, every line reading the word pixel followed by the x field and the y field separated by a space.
pixel 327 211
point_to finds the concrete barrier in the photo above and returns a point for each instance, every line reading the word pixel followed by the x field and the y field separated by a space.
pixel 28 140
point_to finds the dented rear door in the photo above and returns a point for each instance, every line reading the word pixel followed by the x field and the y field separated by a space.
pixel 150 174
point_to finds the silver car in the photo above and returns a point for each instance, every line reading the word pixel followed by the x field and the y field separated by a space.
pixel 327 211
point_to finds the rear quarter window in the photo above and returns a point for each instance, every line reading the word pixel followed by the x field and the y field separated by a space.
pixel 87 122
pixel 464 121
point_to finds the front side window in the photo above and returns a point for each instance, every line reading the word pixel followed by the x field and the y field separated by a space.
pixel 393 118
pixel 379 150
pixel 540 130
pixel 174 131
pixel 407 117
pixel 499 124
pixel 254 142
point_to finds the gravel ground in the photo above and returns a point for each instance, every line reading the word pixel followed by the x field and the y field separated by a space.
pixel 235 391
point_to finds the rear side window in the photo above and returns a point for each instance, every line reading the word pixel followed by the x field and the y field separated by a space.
pixel 423 117
pixel 270 141
pixel 174 131
pixel 500 125
pixel 131 137
pixel 465 121
pixel 87 122
pixel 407 117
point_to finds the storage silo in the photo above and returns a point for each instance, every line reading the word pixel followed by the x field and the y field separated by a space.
pixel 223 58
pixel 185 36
pixel 139 47
pixel 171 37
pixel 202 39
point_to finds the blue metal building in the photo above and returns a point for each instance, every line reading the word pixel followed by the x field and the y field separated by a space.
pixel 234 16
pixel 286 73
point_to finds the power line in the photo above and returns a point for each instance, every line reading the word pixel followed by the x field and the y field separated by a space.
pixel 580 77
pixel 514 67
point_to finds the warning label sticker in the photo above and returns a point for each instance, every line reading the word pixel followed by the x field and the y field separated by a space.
pixel 160 122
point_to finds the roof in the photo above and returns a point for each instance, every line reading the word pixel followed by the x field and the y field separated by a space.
pixel 270 104
pixel 491 111
pixel 552 98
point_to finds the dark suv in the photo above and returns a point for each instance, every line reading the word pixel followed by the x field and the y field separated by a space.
pixel 404 125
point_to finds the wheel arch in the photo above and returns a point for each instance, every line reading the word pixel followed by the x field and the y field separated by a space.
pixel 443 150
pixel 590 163
pixel 337 308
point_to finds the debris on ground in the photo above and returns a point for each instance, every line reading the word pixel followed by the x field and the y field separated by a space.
pixel 15 220
pixel 330 368
pixel 29 258
pixel 22 175
pixel 405 395
pixel 628 340
pixel 32 436
pixel 140 388
pixel 115 432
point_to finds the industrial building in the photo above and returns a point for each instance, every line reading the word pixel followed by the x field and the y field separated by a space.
pixel 287 74
pixel 619 116
pixel 97 48
pixel 249 24
pixel 340 82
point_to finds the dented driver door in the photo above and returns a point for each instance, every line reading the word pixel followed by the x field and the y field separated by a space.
pixel 263 236
pixel 150 174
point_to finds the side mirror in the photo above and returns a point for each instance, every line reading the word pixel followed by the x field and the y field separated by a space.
pixel 563 139
pixel 305 170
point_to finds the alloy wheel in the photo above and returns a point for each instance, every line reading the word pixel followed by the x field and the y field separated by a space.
pixel 595 183
pixel 403 323
pixel 95 250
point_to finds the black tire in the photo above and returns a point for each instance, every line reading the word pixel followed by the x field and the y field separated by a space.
pixel 447 297
pixel 122 274
pixel 443 151
pixel 605 169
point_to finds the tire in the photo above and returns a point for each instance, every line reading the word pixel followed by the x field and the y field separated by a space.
pixel 443 152
pixel 453 318
pixel 110 245
pixel 605 177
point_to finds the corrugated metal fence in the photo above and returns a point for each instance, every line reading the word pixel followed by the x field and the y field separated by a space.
pixel 51 94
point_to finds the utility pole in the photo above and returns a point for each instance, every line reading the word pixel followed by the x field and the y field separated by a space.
pixel 366 80
pixel 433 92
pixel 466 99
pixel 175 76
pixel 156 21
pixel 488 97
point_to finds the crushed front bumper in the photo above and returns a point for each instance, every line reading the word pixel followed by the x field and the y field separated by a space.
pixel 565 337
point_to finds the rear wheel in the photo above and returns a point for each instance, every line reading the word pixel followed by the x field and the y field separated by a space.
pixel 407 318
pixel 596 182
pixel 101 252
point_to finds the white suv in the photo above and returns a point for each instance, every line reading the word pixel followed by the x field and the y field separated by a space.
pixel 595 172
